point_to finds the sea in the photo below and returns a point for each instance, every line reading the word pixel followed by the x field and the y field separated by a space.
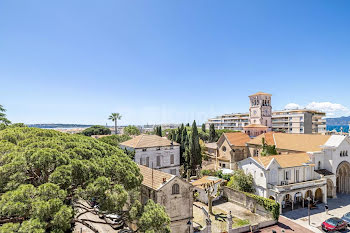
pixel 338 128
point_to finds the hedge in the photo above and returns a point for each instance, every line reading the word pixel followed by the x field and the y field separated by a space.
pixel 269 205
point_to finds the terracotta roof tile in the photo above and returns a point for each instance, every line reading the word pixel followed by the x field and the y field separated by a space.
pixel 144 141
pixel 255 126
pixel 158 177
pixel 205 180
pixel 261 93
pixel 237 138
pixel 286 160
pixel 293 142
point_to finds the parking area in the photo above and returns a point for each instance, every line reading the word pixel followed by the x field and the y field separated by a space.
pixel 337 208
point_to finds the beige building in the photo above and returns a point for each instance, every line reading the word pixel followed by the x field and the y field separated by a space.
pixel 172 192
pixel 299 121
pixel 304 121
pixel 155 152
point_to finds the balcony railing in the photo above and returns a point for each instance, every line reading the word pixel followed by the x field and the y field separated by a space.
pixel 286 185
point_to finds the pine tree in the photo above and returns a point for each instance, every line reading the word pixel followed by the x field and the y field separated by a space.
pixel 212 133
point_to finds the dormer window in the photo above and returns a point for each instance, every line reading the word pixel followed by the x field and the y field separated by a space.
pixel 224 148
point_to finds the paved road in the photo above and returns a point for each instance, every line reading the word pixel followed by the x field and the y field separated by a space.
pixel 337 208
pixel 285 225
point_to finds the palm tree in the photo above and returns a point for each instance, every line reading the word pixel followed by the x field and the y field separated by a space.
pixel 115 117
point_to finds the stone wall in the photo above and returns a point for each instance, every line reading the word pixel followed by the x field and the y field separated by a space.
pixel 245 201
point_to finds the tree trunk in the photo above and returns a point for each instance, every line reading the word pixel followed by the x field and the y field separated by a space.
pixel 210 204
pixel 115 127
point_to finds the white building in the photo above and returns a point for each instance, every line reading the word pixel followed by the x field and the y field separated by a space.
pixel 289 179
pixel 155 152
pixel 316 166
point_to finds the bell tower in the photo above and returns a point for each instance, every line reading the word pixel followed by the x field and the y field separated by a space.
pixel 260 109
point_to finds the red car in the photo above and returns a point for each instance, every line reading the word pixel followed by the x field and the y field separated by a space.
pixel 334 224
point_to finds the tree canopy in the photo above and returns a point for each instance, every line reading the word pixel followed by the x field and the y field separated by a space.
pixel 131 130
pixel 3 119
pixel 45 174
pixel 114 140
pixel 96 130
pixel 242 181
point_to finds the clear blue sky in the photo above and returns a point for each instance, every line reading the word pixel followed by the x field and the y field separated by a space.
pixel 169 61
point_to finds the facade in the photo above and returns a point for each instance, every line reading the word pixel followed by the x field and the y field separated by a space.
pixel 288 179
pixel 231 148
pixel 172 192
pixel 155 152
pixel 299 121
pixel 307 165
pixel 260 114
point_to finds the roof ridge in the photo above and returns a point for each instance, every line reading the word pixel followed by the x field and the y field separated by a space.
pixel 274 139
pixel 139 140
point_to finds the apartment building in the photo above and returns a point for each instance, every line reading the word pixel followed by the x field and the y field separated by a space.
pixel 299 121
pixel 234 121
pixel 155 152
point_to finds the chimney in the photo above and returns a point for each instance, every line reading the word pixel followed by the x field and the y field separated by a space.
pixel 164 180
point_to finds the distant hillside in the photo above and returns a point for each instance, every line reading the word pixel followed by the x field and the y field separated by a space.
pixel 338 121
pixel 53 126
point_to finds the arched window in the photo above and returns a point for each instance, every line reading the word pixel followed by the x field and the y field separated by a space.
pixel 224 148
pixel 319 165
pixel 175 189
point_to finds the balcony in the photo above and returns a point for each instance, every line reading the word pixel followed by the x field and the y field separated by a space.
pixel 294 186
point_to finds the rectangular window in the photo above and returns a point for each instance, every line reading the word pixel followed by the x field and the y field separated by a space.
pixel 141 161
pixel 158 148
pixel 286 175
pixel 296 175
pixel 173 171
pixel 147 161
pixel 144 149
pixel 171 159
pixel 158 161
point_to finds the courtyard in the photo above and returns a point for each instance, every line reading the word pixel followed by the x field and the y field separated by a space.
pixel 337 208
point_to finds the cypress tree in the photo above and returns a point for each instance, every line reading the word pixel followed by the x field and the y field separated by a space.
pixel 196 148
pixel 212 133
pixel 203 128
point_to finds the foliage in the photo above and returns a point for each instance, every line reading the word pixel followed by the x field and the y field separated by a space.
pixel 158 131
pixel 154 219
pixel 212 133
pixel 131 130
pixel 193 152
pixel 96 130
pixel 203 128
pixel 114 140
pixel 3 119
pixel 44 173
pixel 241 181
pixel 268 149
pixel 115 117
pixel 216 173
pixel 240 222
pixel 270 205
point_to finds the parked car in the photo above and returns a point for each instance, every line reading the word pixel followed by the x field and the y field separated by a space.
pixel 334 224
pixel 114 220
pixel 346 218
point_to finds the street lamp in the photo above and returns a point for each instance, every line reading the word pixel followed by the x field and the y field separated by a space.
pixel 308 208
pixel 189 225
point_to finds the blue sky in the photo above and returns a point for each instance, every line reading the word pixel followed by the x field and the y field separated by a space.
pixel 170 61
